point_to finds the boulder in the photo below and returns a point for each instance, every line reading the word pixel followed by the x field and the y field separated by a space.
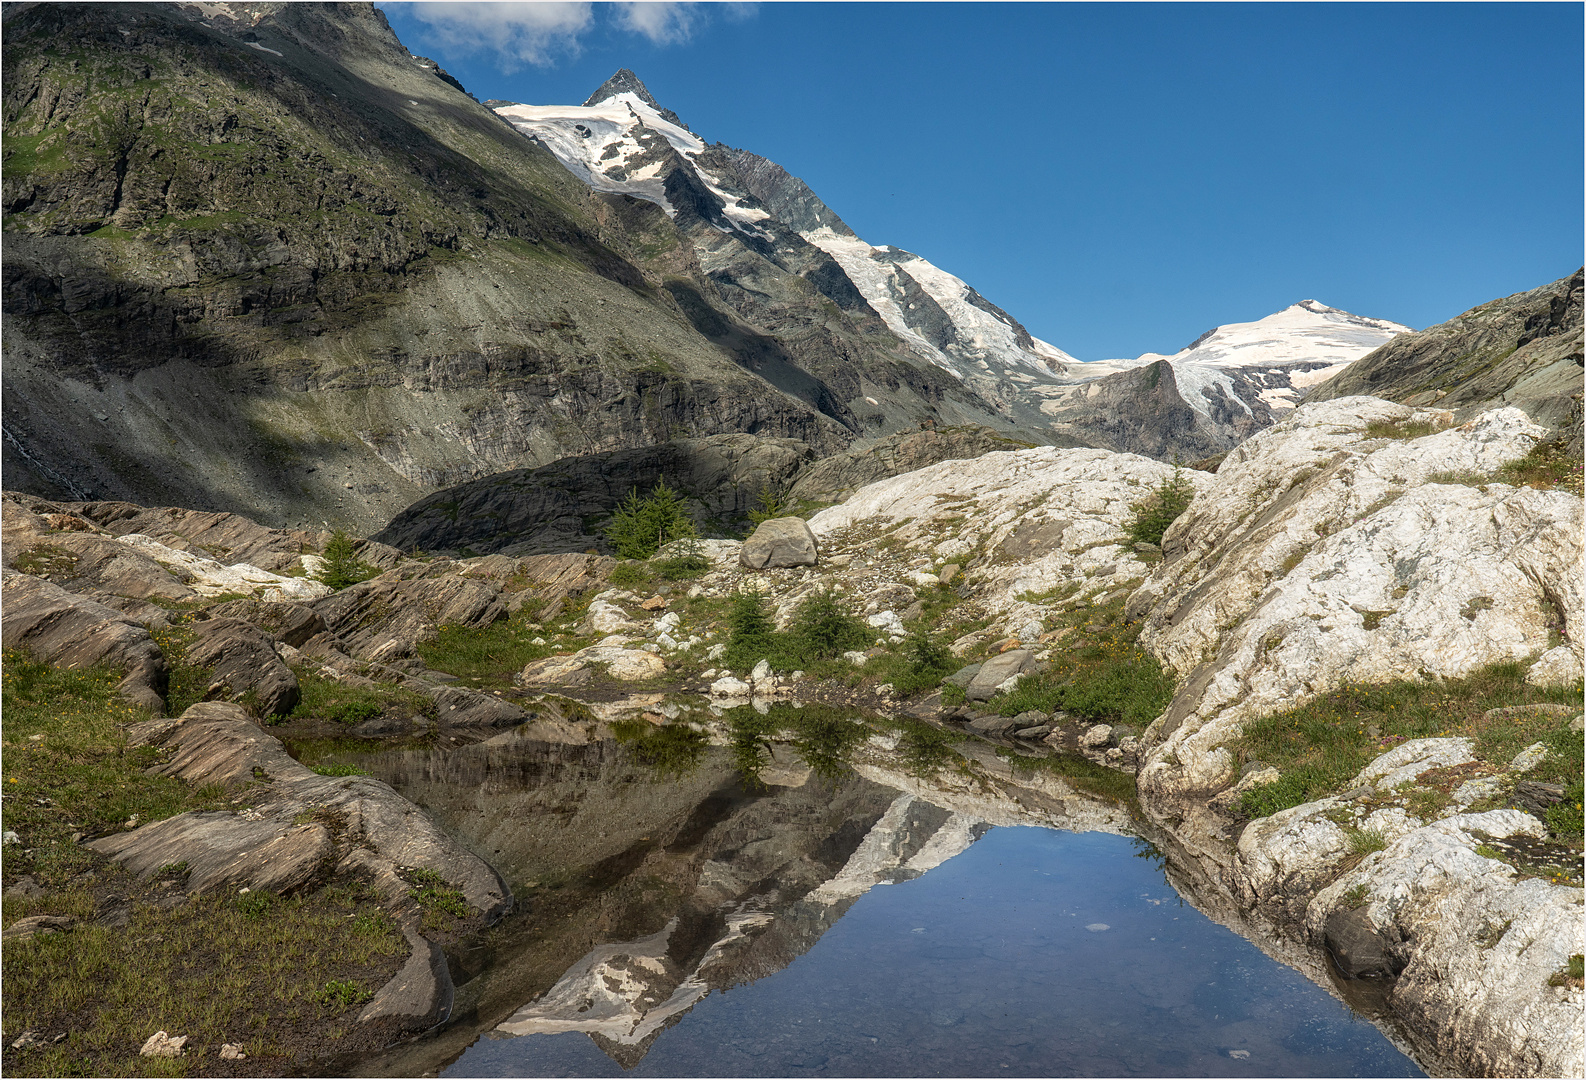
pixel 457 707
pixel 778 542
pixel 243 664
pixel 73 631
pixel 998 670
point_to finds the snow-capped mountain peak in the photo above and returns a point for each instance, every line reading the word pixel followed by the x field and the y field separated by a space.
pixel 622 140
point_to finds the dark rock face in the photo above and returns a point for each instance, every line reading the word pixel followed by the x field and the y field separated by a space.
pixel 265 282
pixel 1140 411
pixel 1524 350
pixel 1356 947
pixel 556 507
pixel 73 631
pixel 243 665
pixel 833 478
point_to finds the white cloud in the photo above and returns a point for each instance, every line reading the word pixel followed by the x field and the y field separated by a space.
pixel 532 33
pixel 663 23
pixel 545 32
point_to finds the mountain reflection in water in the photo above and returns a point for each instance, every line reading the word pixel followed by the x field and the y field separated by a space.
pixel 670 862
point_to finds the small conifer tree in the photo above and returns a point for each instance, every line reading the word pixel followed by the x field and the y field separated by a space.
pixel 342 565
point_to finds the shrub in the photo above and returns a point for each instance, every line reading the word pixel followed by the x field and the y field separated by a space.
pixel 689 562
pixel 773 504
pixel 640 526
pixel 752 633
pixel 1154 513
pixel 342 565
pixel 929 661
pixel 821 629
pixel 629 575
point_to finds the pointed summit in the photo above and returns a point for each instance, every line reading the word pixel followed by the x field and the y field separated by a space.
pixel 623 82
pixel 626 82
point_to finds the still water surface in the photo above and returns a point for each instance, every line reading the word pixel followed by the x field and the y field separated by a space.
pixel 1032 952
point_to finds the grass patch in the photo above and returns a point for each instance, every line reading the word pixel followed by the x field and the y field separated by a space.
pixel 1321 745
pixel 321 698
pixel 212 969
pixel 493 655
pixel 441 901
pixel 78 776
pixel 1401 429
pixel 1101 674
pixel 1545 466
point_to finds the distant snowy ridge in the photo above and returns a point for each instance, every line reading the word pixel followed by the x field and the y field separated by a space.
pixel 1302 345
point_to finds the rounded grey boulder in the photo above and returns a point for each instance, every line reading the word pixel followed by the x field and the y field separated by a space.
pixel 778 542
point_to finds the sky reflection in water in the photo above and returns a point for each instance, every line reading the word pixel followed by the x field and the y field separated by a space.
pixel 1033 953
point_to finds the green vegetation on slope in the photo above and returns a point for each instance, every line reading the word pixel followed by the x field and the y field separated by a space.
pixel 1320 746
pixel 250 970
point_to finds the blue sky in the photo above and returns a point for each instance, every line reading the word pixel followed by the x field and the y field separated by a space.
pixel 1119 177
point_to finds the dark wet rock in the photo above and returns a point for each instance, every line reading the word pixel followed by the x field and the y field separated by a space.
pixel 1537 797
pixel 1356 947
pixel 422 989
pixel 998 670
pixel 993 725
pixel 292 624
pixel 380 619
pixel 300 826
pixel 779 542
pixel 243 665
pixel 73 631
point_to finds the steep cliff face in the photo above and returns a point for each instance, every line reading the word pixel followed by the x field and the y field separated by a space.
pixel 1523 350
pixel 263 258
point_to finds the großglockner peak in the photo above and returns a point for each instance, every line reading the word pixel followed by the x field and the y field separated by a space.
pixel 622 141
pixel 1232 381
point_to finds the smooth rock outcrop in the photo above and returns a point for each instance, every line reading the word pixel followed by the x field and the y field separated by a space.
pixel 1023 523
pixel 382 618
pixel 1327 552
pixel 779 542
pixel 73 631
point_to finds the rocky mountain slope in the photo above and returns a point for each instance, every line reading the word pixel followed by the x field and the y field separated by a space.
pixel 1523 350
pixel 261 258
